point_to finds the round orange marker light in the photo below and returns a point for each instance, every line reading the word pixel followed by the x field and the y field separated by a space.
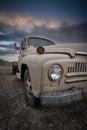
pixel 40 50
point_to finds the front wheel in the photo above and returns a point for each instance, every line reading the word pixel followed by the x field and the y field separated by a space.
pixel 30 98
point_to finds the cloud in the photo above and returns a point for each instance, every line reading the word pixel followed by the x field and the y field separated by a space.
pixel 7 49
pixel 26 22
pixel 66 33
pixel 12 33
pixel 1 33
pixel 6 43
pixel 16 28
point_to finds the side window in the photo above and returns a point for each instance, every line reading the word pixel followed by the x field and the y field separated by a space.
pixel 23 45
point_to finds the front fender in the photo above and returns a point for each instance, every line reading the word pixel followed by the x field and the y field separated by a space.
pixel 35 65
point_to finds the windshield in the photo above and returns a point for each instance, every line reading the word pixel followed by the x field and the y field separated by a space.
pixel 37 42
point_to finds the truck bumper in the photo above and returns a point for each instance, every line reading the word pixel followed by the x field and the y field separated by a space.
pixel 63 98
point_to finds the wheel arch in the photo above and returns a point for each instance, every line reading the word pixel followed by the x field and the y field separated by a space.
pixel 36 88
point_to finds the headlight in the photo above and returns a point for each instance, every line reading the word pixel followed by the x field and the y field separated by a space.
pixel 55 72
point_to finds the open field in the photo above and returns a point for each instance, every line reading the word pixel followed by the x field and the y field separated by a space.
pixel 16 115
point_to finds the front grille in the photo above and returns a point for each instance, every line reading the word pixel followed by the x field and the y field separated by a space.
pixel 78 67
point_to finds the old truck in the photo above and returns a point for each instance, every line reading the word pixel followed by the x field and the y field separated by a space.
pixel 53 74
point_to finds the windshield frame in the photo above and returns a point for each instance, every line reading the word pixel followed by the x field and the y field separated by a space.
pixel 41 39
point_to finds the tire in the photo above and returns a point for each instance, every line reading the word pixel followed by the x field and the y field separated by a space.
pixel 14 69
pixel 32 101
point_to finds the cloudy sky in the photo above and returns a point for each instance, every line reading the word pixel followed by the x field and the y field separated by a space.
pixel 63 21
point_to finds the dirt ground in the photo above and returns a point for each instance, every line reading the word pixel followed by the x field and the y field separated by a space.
pixel 16 115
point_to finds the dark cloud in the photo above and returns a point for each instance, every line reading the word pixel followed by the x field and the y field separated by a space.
pixel 10 46
pixel 4 37
pixel 74 33
pixel 64 33
pixel 7 49
pixel 11 33
pixel 7 52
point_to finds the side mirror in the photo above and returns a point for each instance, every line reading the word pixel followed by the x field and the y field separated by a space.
pixel 16 46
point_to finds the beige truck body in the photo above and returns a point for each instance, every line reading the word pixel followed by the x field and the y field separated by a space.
pixel 72 58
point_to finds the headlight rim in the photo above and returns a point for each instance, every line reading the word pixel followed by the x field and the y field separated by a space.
pixel 50 70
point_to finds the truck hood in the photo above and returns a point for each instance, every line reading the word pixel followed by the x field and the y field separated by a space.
pixel 55 49
pixel 69 49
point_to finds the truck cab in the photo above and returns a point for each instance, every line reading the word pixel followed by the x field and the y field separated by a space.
pixel 53 74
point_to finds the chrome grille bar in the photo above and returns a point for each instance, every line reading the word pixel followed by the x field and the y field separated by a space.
pixel 78 67
pixel 81 53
